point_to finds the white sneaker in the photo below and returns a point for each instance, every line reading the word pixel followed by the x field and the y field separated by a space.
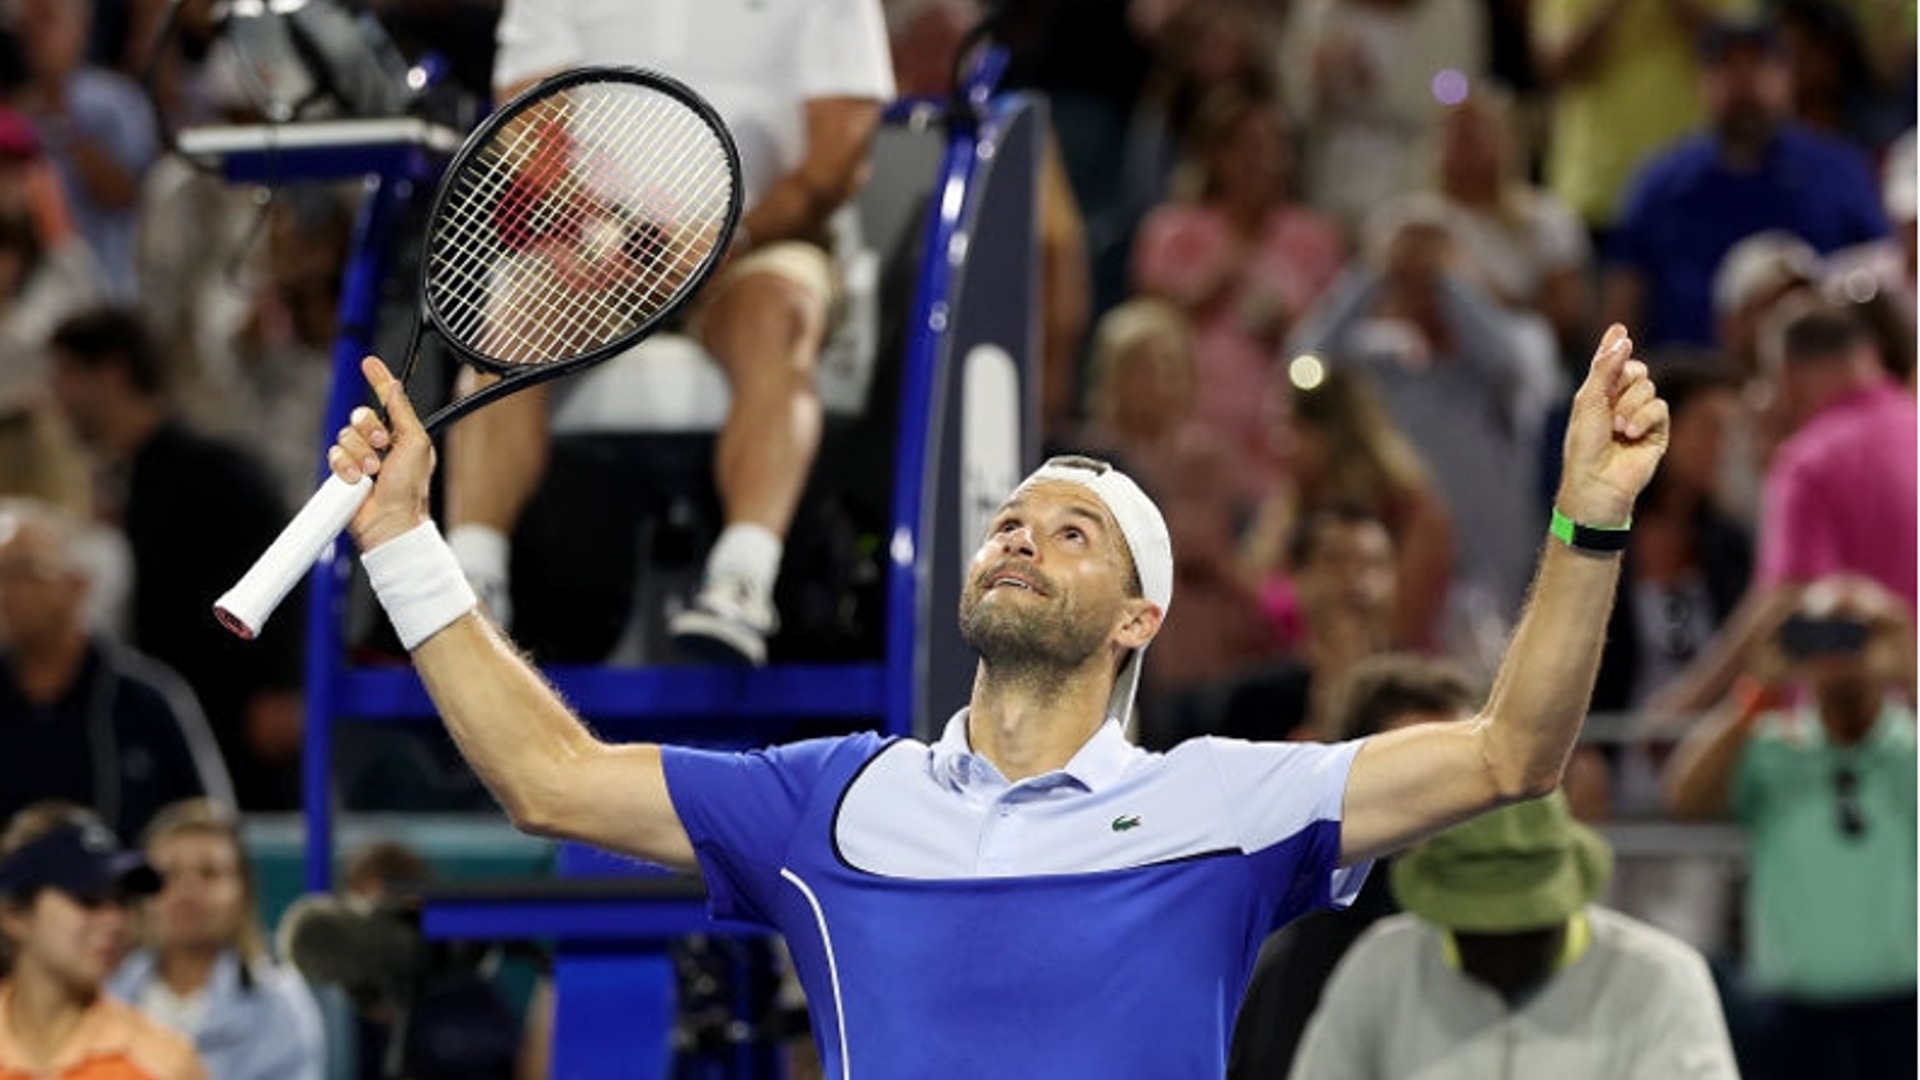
pixel 729 622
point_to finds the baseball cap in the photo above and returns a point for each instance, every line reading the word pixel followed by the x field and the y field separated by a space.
pixel 1762 264
pixel 1148 544
pixel 1523 867
pixel 85 861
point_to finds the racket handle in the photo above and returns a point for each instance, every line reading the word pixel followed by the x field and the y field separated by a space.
pixel 245 607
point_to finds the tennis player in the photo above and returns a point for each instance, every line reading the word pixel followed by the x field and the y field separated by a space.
pixel 1029 895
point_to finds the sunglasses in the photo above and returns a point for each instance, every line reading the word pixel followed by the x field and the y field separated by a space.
pixel 1846 792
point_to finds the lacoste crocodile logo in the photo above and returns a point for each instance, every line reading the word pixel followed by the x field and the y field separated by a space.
pixel 1125 822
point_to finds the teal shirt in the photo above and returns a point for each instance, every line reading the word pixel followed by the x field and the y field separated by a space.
pixel 1830 917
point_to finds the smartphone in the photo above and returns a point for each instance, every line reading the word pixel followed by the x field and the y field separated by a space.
pixel 1802 636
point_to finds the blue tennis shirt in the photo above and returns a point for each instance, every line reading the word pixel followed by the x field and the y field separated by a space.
pixel 1098 921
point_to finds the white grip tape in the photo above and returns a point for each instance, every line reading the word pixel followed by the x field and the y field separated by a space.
pixel 419 582
pixel 245 607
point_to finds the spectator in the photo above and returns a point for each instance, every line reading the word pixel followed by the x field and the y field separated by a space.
pixel 1142 402
pixel 41 460
pixel 1504 965
pixel 1753 169
pixel 1202 50
pixel 1756 276
pixel 39 457
pixel 96 126
pixel 1878 276
pixel 46 269
pixel 83 718
pixel 801 86
pixel 1453 377
pixel 64 889
pixel 1753 277
pixel 1840 491
pixel 1364 78
pixel 1623 77
pixel 1090 59
pixel 1242 260
pixel 1826 791
pixel 1520 243
pixel 280 358
pixel 1342 448
pixel 1341 588
pixel 204 970
pixel 1836 90
pixel 196 512
pixel 1382 693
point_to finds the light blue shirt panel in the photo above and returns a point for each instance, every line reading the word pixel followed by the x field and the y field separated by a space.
pixel 944 812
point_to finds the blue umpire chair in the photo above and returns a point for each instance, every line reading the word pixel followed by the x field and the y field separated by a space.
pixel 932 416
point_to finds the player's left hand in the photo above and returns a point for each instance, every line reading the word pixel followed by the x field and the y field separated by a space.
pixel 1616 435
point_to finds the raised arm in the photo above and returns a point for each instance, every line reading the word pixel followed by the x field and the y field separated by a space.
pixel 1411 783
pixel 550 774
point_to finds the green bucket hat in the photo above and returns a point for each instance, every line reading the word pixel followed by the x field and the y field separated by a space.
pixel 1523 867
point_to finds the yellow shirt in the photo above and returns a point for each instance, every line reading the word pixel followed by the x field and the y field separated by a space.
pixel 113 1042
pixel 1637 94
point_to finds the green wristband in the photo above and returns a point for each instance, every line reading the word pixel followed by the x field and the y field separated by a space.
pixel 1587 537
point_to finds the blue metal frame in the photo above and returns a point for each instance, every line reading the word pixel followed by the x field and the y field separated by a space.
pixel 385 205
pixel 925 355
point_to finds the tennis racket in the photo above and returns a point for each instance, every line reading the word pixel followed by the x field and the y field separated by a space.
pixel 575 220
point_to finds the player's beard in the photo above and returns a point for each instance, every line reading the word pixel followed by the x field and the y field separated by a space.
pixel 1039 641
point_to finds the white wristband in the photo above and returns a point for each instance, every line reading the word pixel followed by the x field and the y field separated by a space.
pixel 419 582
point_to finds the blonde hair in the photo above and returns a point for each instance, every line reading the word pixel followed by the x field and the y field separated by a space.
pixel 1370 462
pixel 209 817
pixel 40 459
pixel 1121 330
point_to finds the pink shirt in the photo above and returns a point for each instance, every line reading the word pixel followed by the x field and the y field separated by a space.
pixel 1182 253
pixel 1840 495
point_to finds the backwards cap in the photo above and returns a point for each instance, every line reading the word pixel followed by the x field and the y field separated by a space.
pixel 1147 543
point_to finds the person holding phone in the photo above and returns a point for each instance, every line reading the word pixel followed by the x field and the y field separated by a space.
pixel 1814 753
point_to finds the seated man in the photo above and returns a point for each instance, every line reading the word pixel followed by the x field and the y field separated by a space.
pixel 84 719
pixel 800 86
pixel 1505 967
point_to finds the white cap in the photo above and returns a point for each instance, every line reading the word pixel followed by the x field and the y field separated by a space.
pixel 1762 263
pixel 1149 545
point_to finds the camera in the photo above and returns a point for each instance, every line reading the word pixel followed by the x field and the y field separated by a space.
pixel 1804 636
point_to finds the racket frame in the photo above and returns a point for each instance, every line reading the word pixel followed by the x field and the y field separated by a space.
pixel 519 376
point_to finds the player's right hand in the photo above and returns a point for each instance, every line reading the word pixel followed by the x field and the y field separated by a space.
pixel 397 453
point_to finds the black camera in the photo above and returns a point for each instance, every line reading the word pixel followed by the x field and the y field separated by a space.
pixel 1803 636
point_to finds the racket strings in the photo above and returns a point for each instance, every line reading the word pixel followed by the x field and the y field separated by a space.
pixel 546 312
pixel 588 215
pixel 569 190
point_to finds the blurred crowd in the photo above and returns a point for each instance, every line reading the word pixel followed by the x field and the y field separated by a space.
pixel 1320 273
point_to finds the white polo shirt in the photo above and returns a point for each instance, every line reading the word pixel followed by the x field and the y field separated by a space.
pixel 1100 920
pixel 757 61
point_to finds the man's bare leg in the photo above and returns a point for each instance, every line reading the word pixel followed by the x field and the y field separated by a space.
pixel 765 330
